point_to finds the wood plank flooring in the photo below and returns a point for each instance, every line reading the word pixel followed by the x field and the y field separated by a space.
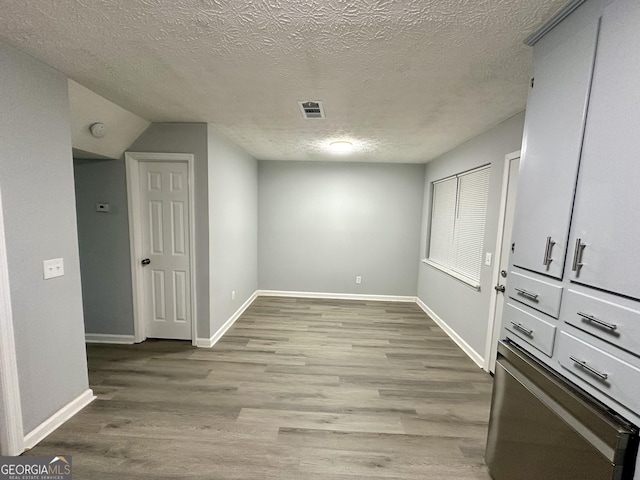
pixel 299 389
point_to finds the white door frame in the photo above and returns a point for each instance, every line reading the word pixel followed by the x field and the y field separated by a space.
pixel 493 327
pixel 12 438
pixel 132 162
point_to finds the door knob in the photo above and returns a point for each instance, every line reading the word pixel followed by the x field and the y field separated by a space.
pixel 146 261
pixel 500 288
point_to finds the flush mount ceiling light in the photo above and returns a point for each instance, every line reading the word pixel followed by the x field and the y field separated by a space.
pixel 341 146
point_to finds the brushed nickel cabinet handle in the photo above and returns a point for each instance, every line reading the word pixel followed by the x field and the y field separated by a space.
pixel 547 252
pixel 577 255
pixel 529 295
pixel 597 321
pixel 522 328
pixel 589 368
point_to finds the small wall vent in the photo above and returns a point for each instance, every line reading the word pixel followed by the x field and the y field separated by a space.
pixel 311 109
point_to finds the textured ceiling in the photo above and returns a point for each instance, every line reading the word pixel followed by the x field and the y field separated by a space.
pixel 405 80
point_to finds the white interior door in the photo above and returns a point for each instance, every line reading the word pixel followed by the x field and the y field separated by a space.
pixel 513 165
pixel 164 215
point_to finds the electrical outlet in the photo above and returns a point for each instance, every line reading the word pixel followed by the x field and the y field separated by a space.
pixel 53 268
pixel 233 295
pixel 358 279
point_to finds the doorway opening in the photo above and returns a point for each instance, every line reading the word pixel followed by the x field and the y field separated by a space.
pixel 162 244
pixel 503 249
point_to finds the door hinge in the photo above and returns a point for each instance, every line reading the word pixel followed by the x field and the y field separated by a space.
pixel 533 80
pixel 513 247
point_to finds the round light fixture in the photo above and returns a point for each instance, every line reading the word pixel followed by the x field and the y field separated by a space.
pixel 341 146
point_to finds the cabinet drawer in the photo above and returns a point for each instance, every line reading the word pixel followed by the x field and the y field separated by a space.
pixel 603 371
pixel 608 321
pixel 538 294
pixel 529 327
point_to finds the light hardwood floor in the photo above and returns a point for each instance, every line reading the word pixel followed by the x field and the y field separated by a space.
pixel 299 389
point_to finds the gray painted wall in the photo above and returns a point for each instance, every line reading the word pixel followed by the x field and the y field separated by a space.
pixel 36 180
pixel 322 224
pixel 464 309
pixel 105 262
pixel 188 138
pixel 233 227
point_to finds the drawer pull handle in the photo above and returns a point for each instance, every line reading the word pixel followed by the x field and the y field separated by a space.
pixel 524 330
pixel 547 252
pixel 588 368
pixel 529 295
pixel 597 321
pixel 577 255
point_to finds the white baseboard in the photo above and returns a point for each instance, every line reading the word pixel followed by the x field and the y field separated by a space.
pixel 466 348
pixel 65 413
pixel 210 342
pixel 203 343
pixel 108 338
pixel 336 296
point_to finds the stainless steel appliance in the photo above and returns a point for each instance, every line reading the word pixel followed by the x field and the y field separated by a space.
pixel 542 428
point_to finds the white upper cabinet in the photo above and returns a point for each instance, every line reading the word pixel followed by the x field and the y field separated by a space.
pixel 553 133
pixel 605 236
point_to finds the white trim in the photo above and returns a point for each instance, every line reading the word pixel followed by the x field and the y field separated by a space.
pixel 493 304
pixel 133 207
pixel 204 342
pixel 132 160
pixel 54 421
pixel 335 296
pixel 466 348
pixel 210 342
pixel 10 406
pixel 453 273
pixel 550 24
pixel 109 338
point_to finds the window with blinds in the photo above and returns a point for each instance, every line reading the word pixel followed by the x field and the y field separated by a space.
pixel 458 217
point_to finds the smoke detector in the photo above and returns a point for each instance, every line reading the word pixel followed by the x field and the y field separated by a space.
pixel 97 129
pixel 311 109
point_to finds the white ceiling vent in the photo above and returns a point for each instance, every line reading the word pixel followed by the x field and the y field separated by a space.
pixel 311 109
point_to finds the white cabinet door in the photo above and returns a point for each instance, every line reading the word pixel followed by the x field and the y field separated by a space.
pixel 554 125
pixel 606 220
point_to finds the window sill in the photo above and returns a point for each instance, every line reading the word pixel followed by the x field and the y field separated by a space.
pixel 456 275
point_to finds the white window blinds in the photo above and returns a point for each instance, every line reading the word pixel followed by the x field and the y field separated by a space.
pixel 458 217
pixel 443 215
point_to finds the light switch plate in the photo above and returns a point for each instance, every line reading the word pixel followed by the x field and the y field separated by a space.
pixel 53 268
pixel 487 258
pixel 103 207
